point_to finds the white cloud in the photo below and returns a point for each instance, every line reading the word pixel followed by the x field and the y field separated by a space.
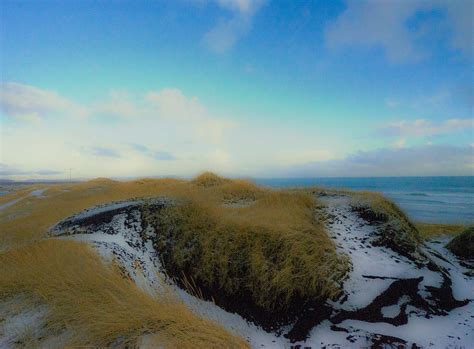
pixel 119 104
pixel 376 24
pixel 168 133
pixel 29 103
pixel 174 128
pixel 408 161
pixel 422 127
pixel 229 30
pixel 168 106
pixel 241 6
pixel 384 24
pixel 157 155
pixel 103 152
pixel 173 104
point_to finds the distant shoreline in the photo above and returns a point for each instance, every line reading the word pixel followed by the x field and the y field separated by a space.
pixel 435 199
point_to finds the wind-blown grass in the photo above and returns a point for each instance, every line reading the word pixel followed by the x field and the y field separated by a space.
pixel 273 249
pixel 397 231
pixel 97 304
pixel 431 230
pixel 229 233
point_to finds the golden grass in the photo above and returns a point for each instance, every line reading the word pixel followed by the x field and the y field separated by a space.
pixel 240 190
pixel 269 243
pixel 275 250
pixel 431 230
pixel 29 219
pixel 398 231
pixel 99 305
pixel 209 179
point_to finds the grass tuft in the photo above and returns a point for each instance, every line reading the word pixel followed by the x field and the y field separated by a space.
pixel 432 230
pixel 274 250
pixel 397 232
pixel 99 305
pixel 463 244
pixel 209 179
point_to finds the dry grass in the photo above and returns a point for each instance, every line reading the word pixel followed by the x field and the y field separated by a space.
pixel 431 230
pixel 29 219
pixel 398 232
pixel 275 250
pixel 209 179
pixel 271 245
pixel 99 305
pixel 240 190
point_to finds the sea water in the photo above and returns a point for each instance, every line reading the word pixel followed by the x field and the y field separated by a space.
pixel 424 199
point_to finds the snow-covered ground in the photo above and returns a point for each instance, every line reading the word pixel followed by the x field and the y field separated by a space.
pixel 387 297
pixel 38 193
pixel 374 270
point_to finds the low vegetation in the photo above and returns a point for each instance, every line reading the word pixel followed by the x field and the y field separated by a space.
pixel 273 250
pixel 463 244
pixel 397 231
pixel 432 230
pixel 228 236
pixel 97 304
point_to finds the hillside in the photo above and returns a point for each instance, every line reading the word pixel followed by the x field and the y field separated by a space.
pixel 215 262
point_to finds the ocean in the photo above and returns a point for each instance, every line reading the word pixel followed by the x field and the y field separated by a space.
pixel 447 200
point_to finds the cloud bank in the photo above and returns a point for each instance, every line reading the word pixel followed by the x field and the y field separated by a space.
pixel 165 132
pixel 386 25
pixel 414 161
pixel 422 127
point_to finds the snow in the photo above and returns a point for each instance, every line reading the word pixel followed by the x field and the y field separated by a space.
pixel 38 193
pixel 374 269
pixel 104 208
pixel 463 286
pixel 124 243
pixel 454 330
pixel 9 203
pixel 393 310
pixel 35 193
pixel 23 325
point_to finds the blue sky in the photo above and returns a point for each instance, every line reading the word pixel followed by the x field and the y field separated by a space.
pixel 241 87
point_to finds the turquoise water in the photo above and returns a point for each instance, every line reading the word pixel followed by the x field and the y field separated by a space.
pixel 426 199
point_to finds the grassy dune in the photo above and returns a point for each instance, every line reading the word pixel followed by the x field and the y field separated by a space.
pixel 98 304
pixel 264 240
pixel 463 244
pixel 267 243
pixel 398 232
pixel 29 219
pixel 227 234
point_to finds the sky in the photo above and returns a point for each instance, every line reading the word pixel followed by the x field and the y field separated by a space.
pixel 254 88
